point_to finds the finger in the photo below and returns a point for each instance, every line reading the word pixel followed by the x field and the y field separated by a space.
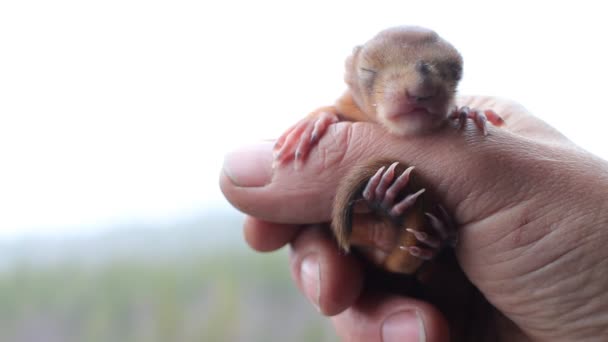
pixel 449 160
pixel 267 236
pixel 387 318
pixel 331 280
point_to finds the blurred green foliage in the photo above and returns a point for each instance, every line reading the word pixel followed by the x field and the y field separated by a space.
pixel 197 292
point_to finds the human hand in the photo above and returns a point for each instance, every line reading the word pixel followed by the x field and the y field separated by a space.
pixel 532 210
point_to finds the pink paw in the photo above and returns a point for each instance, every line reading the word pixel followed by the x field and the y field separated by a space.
pixel 298 140
pixel 444 235
pixel 385 191
pixel 480 118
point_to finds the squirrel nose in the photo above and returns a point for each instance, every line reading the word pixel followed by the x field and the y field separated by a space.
pixel 418 98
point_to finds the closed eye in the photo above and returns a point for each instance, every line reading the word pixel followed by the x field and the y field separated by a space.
pixel 367 77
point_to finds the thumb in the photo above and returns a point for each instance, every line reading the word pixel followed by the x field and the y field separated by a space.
pixel 391 318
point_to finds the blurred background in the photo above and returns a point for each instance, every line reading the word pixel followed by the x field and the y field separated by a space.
pixel 115 116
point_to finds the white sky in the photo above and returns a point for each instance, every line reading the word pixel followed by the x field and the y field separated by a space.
pixel 114 111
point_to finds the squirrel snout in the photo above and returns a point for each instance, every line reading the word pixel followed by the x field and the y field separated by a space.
pixel 419 97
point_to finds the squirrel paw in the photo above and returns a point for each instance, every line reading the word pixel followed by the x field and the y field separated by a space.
pixel 444 234
pixel 298 140
pixel 480 118
pixel 381 192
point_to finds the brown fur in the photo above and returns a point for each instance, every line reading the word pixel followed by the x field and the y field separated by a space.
pixel 393 60
pixel 398 62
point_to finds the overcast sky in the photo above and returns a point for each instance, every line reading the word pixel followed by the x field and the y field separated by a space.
pixel 114 111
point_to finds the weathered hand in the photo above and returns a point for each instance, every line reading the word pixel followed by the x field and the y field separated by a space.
pixel 533 215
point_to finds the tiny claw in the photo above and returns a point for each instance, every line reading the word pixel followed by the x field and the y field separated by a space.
pixel 481 122
pixel 288 145
pixel 386 179
pixel 444 213
pixel 392 167
pixel 299 139
pixel 418 234
pixel 315 131
pixel 372 184
pixel 425 238
pixel 407 202
pixel 281 141
pixel 452 232
pixel 276 154
pixel 464 115
pixel 313 137
pixel 421 253
pixel 396 187
pixel 278 159
pixel 321 125
pixel 438 226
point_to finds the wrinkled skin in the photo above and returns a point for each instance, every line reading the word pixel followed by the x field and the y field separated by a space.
pixel 532 208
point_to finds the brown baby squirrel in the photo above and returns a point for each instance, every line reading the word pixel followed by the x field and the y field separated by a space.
pixel 405 78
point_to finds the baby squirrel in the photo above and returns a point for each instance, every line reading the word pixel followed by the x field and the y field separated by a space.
pixel 405 79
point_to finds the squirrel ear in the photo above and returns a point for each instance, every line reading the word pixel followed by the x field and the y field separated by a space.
pixel 349 60
pixel 352 56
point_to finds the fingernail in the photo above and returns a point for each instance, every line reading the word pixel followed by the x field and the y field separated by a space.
pixel 403 326
pixel 250 166
pixel 311 279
